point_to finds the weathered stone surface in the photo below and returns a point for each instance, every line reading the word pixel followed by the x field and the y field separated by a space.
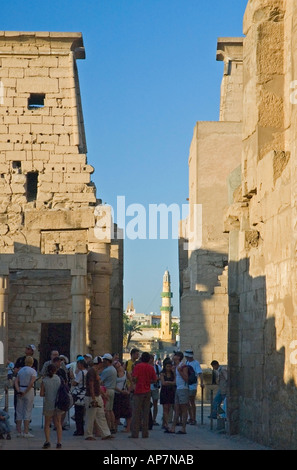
pixel 214 152
pixel 261 219
pixel 47 201
pixel 262 246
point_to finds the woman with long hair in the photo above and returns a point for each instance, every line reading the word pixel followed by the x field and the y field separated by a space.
pixel 48 390
pixel 167 392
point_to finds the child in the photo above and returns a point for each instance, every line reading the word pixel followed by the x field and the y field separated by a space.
pixel 4 425
pixel 10 372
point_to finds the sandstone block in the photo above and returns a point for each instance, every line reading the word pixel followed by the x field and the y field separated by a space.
pixel 18 188
pixel 7 119
pixel 64 140
pixel 76 178
pixel 59 72
pixel 51 219
pixel 42 129
pixel 38 85
pixel 76 159
pixel 37 72
pixel 19 128
pixel 16 72
pixel 12 155
pixel 13 62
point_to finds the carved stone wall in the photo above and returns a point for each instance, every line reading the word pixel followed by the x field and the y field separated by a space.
pixel 47 198
pixel 262 239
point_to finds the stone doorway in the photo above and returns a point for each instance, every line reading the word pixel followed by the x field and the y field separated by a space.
pixel 54 336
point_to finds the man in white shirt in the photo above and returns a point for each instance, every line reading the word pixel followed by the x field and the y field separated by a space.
pixel 108 377
pixel 189 355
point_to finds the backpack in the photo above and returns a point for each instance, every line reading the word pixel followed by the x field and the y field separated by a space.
pixel 79 392
pixel 63 399
pixel 192 378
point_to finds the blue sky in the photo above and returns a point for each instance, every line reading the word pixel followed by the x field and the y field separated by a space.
pixel 149 75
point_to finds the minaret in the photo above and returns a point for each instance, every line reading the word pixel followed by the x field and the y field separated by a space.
pixel 166 308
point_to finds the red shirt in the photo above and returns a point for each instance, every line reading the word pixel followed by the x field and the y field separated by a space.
pixel 145 375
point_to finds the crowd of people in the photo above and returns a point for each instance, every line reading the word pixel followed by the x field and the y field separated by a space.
pixel 105 390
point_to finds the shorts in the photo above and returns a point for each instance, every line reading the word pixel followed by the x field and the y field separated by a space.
pixel 182 396
pixel 109 403
pixel 155 394
pixel 192 393
pixel 24 406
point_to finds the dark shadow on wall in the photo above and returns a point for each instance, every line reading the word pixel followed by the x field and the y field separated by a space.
pixel 40 300
pixel 199 277
pixel 261 405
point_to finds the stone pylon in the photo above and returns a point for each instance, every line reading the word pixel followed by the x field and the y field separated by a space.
pixel 60 267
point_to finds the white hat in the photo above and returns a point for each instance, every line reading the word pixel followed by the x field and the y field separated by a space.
pixel 97 360
pixel 188 353
pixel 88 355
pixel 31 346
pixel 108 357
pixel 64 357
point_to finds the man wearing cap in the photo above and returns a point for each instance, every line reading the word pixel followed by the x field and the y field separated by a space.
pixel 189 355
pixel 94 404
pixel 108 377
pixel 72 366
pixel 29 351
pixel 88 358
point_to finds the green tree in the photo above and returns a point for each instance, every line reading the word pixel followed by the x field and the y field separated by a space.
pixel 130 328
pixel 175 329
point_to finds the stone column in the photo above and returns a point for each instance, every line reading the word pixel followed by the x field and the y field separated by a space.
pixel 4 284
pixel 99 266
pixel 78 323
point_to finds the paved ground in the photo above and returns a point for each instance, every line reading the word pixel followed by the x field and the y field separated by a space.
pixel 198 437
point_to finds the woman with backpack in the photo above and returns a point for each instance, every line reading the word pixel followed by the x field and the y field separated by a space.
pixel 48 390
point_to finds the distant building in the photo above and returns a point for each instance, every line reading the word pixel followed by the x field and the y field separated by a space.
pixel 130 310
pixel 154 319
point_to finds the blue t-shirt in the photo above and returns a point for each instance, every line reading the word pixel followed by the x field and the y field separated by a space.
pixel 109 377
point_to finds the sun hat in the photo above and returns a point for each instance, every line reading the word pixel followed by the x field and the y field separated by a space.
pixel 97 360
pixel 188 353
pixel 107 356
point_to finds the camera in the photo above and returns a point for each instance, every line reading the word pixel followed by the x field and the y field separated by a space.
pixel 94 404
